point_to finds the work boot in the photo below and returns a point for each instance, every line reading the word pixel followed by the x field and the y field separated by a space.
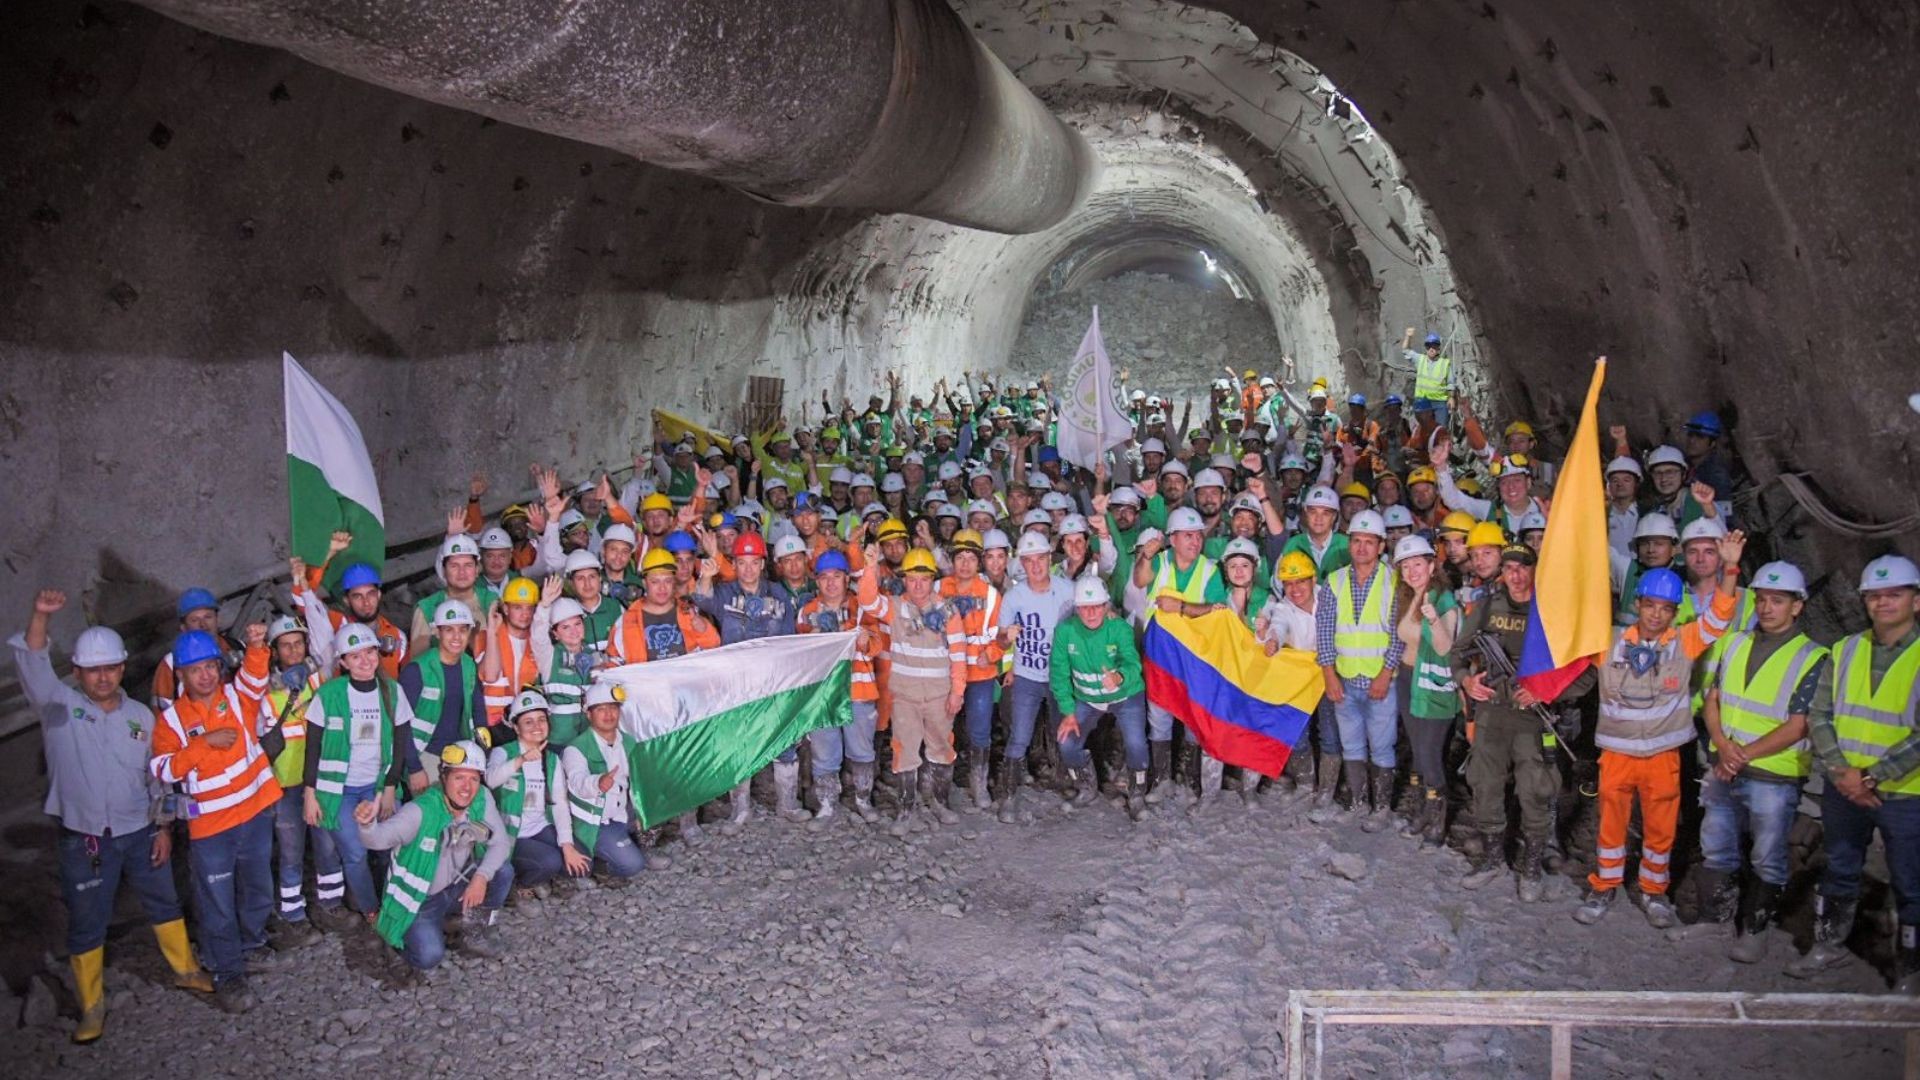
pixel 1296 776
pixel 909 781
pixel 1416 822
pixel 739 807
pixel 1659 910
pixel 1085 788
pixel 1013 773
pixel 1906 961
pixel 1325 780
pixel 786 792
pixel 1832 925
pixel 691 834
pixel 1381 781
pixel 1250 787
pixel 187 972
pixel 334 918
pixel 1435 834
pixel 1213 773
pixel 480 938
pixel 1489 863
pixel 1136 794
pixel 936 788
pixel 1160 767
pixel 1356 776
pixel 863 791
pixel 1593 906
pixel 826 796
pixel 1751 948
pixel 1532 884
pixel 262 960
pixel 1719 897
pixel 89 985
pixel 979 759
pixel 288 936
pixel 234 996
pixel 1410 796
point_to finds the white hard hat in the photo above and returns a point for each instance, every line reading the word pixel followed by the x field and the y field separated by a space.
pixel 949 470
pixel 1625 465
pixel 1208 478
pixel 99 646
pixel 1666 455
pixel 570 518
pixel 453 613
pixel 840 475
pixel 1398 517
pixel 949 510
pixel 1242 547
pixel 1293 462
pixel 565 608
pixel 1155 417
pixel 1531 520
pixel 1185 519
pixel 495 538
pixel 982 506
pixel 1175 465
pixel 281 627
pixel 622 534
pixel 1153 401
pixel 461 544
pixel 860 479
pixel 1054 500
pixel 603 693
pixel 790 544
pixel 1153 446
pixel 1148 535
pixel 525 702
pixel 1036 516
pixel 1074 525
pixel 1411 547
pixel 1889 572
pixel 465 754
pixel 1223 462
pixel 913 457
pixel 768 483
pixel 995 540
pixel 1088 592
pixel 580 560
pixel 1655 525
pixel 1702 529
pixel 1781 577
pixel 1248 503
pixel 352 637
pixel 890 483
pixel 1322 496
pixel 1137 396
pixel 1124 496
pixel 1032 543
pixel 1039 481
pixel 1367 523
pixel 1268 380
pixel 718 483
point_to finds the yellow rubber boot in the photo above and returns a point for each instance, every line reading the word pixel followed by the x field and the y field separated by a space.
pixel 187 973
pixel 88 982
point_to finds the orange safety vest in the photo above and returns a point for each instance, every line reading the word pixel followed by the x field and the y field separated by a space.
pixel 865 686
pixel 627 643
pixel 228 787
pixel 980 621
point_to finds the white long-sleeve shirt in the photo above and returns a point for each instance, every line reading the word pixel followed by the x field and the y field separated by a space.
pixel 543 804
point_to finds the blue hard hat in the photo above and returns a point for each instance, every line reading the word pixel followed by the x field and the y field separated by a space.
pixel 1049 453
pixel 1358 399
pixel 195 600
pixel 679 541
pixel 1432 340
pixel 358 575
pixel 806 500
pixel 832 560
pixel 1425 405
pixel 192 647
pixel 1705 423
pixel 1392 400
pixel 1660 584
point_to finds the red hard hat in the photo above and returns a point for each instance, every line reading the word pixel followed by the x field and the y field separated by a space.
pixel 749 543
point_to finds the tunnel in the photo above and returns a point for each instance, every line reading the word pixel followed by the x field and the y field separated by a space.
pixel 503 233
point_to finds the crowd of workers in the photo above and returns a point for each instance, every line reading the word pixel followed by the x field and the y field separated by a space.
pixel 335 770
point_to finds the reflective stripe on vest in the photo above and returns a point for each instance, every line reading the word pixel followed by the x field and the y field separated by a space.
pixel 1754 703
pixel 410 871
pixel 1871 720
pixel 1430 377
pixel 589 816
pixel 1361 638
pixel 433 698
pixel 1166 579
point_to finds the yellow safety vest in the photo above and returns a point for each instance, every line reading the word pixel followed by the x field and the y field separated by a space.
pixel 1870 720
pixel 1361 638
pixel 1754 703
pixel 1431 374
pixel 1709 661
pixel 1166 580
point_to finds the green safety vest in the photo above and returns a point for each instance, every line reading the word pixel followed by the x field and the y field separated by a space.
pixel 1754 703
pixel 588 816
pixel 1870 720
pixel 336 743
pixel 1167 579
pixel 1361 638
pixel 565 691
pixel 600 623
pixel 1435 695
pixel 410 872
pixel 433 697
pixel 1431 374
pixel 513 796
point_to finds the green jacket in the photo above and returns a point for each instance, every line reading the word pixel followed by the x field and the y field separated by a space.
pixel 1082 658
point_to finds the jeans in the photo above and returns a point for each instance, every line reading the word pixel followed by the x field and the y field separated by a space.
pixel 353 854
pixel 615 847
pixel 90 882
pixel 290 833
pixel 1159 723
pixel 977 707
pixel 854 741
pixel 1327 726
pixel 1761 808
pixel 425 943
pixel 1368 728
pixel 1129 714
pixel 1025 700
pixel 537 858
pixel 1848 830
pixel 233 893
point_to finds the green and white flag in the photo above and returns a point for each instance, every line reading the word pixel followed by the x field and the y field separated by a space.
pixel 330 482
pixel 708 720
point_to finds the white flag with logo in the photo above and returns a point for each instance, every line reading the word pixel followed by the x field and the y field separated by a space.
pixel 1093 413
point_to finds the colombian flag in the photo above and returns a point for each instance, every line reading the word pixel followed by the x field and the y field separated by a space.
pixel 1246 708
pixel 1572 617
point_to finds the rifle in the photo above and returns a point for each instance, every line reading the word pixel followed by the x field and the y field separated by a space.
pixel 1498 669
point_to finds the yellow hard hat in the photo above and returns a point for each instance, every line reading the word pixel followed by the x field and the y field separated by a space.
pixel 918 561
pixel 1487 534
pixel 658 558
pixel 520 591
pixel 891 529
pixel 1249 374
pixel 656 501
pixel 1296 566
pixel 1519 427
pixel 1457 521
pixel 1356 490
pixel 1422 475
pixel 967 540
pixel 1468 484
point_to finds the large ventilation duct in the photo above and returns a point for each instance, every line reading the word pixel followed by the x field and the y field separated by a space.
pixel 887 105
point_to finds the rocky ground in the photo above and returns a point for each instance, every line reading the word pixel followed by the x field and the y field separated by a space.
pixel 1075 944
pixel 1174 336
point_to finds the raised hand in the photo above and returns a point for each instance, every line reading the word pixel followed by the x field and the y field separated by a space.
pixel 551 589
pixel 477 486
pixel 339 542
pixel 537 517
pixel 48 601
pixel 603 489
pixel 1732 546
pixel 256 635
pixel 456 521
pixel 1702 494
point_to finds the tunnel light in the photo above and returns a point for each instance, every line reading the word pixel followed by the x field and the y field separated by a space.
pixel 1213 265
